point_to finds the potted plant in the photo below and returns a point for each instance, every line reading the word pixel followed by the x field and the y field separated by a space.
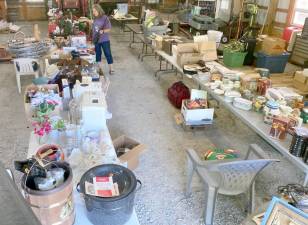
pixel 234 54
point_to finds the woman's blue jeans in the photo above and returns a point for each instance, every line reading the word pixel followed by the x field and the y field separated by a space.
pixel 106 49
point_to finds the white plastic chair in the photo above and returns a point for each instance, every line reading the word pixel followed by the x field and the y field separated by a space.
pixel 23 67
pixel 227 177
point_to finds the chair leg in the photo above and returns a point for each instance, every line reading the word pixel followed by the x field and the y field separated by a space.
pixel 190 173
pixel 18 83
pixel 251 198
pixel 210 205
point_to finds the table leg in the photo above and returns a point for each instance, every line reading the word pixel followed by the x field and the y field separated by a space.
pixel 306 180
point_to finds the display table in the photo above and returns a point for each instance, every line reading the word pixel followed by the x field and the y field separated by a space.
pixel 134 29
pixel 163 56
pixel 106 144
pixel 252 119
pixel 123 20
pixel 255 121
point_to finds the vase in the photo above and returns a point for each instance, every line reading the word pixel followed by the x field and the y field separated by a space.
pixel 42 139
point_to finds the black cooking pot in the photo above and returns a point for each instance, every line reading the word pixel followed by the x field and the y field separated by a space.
pixel 115 210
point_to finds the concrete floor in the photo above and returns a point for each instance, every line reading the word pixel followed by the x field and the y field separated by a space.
pixel 142 111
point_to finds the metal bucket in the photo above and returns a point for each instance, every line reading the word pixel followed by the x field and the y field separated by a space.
pixel 53 207
pixel 114 210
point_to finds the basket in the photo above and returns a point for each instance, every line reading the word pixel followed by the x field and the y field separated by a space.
pixel 234 59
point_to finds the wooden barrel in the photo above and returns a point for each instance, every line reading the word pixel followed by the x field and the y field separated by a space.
pixel 56 206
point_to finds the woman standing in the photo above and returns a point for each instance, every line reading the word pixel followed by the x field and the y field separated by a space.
pixel 101 29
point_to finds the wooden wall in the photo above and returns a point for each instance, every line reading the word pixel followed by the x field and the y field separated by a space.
pixel 3 9
pixel 32 11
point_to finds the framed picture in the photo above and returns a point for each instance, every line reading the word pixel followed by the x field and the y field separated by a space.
pixel 280 212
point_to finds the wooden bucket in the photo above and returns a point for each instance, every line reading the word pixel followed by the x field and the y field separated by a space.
pixel 56 206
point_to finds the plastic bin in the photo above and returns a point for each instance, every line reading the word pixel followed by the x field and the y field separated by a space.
pixel 234 59
pixel 275 64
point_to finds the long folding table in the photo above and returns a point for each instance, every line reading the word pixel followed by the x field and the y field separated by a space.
pixel 252 119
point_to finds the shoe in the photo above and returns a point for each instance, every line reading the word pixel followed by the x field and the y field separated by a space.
pixel 111 72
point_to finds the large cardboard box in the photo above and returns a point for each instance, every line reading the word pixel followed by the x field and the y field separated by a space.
pixel 193 116
pixel 208 49
pixel 273 46
pixel 188 58
pixel 131 157
pixel 187 48
pixel 300 81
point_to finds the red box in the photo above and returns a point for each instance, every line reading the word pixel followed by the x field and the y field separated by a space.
pixel 288 32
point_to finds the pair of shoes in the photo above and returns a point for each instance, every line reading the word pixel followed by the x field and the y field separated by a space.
pixel 111 72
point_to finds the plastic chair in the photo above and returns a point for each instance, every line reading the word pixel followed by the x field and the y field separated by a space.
pixel 227 177
pixel 23 67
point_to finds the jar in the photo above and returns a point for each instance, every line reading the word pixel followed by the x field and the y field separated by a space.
pixel 271 111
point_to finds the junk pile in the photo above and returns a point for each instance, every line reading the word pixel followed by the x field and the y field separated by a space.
pixel 28 47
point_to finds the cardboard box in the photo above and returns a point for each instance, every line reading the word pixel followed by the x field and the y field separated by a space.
pixel 29 109
pixel 300 81
pixel 273 46
pixel 188 58
pixel 79 41
pixel 187 48
pixel 209 50
pixel 250 81
pixel 167 44
pixel 130 158
pixel 191 116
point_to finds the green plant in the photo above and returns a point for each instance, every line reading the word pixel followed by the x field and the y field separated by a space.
pixel 235 46
pixel 59 125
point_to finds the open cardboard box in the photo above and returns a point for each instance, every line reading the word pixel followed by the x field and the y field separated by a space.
pixel 197 116
pixel 28 108
pixel 130 158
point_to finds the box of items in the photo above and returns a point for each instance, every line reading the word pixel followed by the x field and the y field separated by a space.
pixel 273 46
pixel 79 41
pixel 35 94
pixel 168 42
pixel 300 81
pixel 188 58
pixel 195 110
pixel 249 81
pixel 128 151
pixel 185 48
pixel 208 49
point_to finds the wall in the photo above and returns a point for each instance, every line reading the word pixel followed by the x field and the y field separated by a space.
pixel 32 11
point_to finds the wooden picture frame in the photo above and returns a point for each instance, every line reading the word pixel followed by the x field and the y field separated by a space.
pixel 280 212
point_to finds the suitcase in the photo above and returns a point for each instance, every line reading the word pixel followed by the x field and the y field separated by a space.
pixel 177 93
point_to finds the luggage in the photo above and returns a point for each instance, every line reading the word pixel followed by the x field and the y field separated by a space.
pixel 177 93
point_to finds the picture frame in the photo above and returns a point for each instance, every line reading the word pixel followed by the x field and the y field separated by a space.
pixel 280 212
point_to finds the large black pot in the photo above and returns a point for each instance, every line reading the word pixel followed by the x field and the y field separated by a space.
pixel 115 210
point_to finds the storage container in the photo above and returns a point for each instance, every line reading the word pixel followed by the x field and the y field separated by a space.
pixel 234 59
pixel 275 64
pixel 54 206
pixel 115 210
